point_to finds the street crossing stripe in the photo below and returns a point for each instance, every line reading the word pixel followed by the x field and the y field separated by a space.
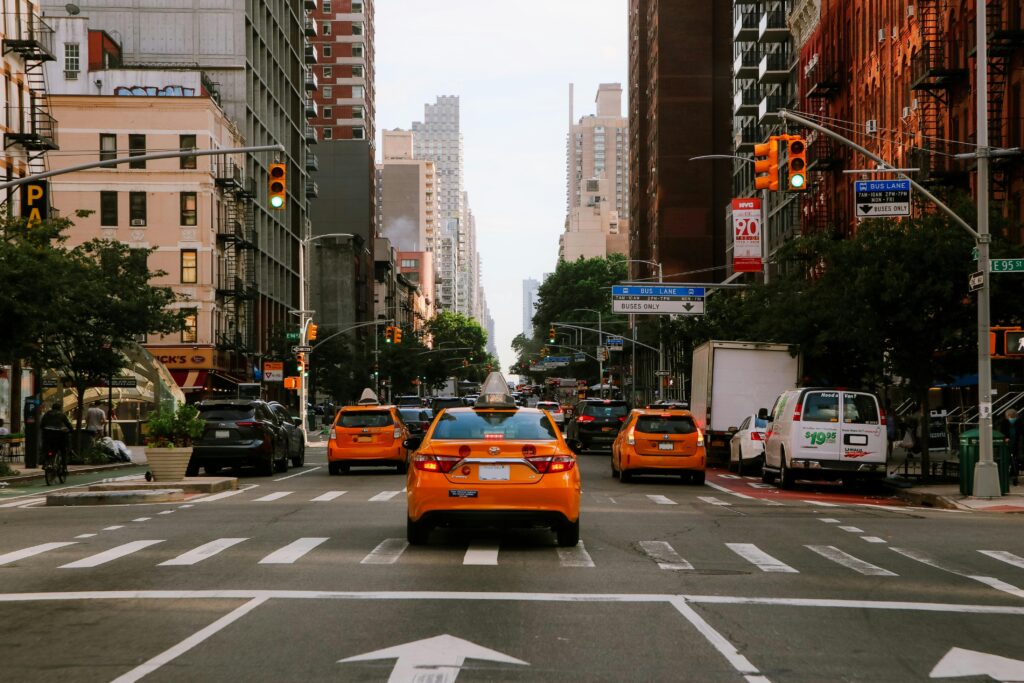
pixel 113 528
pixel 760 559
pixel 142 519
pixel 85 535
pixel 661 500
pixel 481 554
pixel 987 580
pixel 21 501
pixel 852 529
pixel 717 487
pixel 218 496
pixel 873 539
pixel 109 555
pixel 830 552
pixel 1003 556
pixel 330 495
pixel 828 520
pixel 16 555
pixel 384 495
pixel 293 551
pixel 665 555
pixel 166 512
pixel 387 552
pixel 202 552
pixel 820 503
pixel 576 556
pixel 273 496
pixel 714 501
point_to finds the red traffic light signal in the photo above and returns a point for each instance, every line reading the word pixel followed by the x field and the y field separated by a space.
pixel 766 165
pixel 796 161
pixel 277 186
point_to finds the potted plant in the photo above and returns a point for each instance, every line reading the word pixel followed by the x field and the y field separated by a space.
pixel 169 441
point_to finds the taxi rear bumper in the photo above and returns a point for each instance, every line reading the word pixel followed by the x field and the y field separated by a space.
pixel 365 454
pixel 431 496
pixel 663 464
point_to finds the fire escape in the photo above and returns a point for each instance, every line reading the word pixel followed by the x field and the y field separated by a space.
pixel 1005 38
pixel 818 208
pixel 936 68
pixel 30 124
pixel 236 237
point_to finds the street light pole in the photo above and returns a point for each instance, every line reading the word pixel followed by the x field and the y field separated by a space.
pixel 600 342
pixel 661 340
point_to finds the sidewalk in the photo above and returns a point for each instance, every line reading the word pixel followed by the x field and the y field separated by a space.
pixel 30 475
pixel 945 496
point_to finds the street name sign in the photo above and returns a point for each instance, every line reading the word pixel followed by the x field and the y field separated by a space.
pixel 580 358
pixel 658 299
pixel 1006 265
pixel 557 361
pixel 882 198
pixel 976 281
pixel 662 373
pixel 301 349
pixel 614 343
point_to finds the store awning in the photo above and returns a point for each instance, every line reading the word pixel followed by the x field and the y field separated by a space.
pixel 190 380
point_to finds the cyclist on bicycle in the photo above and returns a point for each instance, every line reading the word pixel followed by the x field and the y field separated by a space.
pixel 56 427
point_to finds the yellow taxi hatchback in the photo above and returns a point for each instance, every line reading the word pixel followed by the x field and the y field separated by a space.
pixel 659 442
pixel 493 464
pixel 367 435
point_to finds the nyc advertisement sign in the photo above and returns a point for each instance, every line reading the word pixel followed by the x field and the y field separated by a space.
pixel 746 235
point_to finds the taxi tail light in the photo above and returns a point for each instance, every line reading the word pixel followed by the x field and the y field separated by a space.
pixel 585 418
pixel 631 438
pixel 700 438
pixel 434 463
pixel 397 433
pixel 549 464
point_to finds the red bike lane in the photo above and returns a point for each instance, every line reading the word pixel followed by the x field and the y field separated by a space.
pixel 823 492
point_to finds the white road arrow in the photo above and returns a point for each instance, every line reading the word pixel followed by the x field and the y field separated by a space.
pixel 959 662
pixel 436 659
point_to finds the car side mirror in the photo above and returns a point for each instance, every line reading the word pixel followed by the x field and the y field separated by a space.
pixel 412 443
pixel 733 430
pixel 762 414
pixel 574 445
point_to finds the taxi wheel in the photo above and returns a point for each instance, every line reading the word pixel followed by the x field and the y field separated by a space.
pixel 402 467
pixel 417 533
pixel 333 468
pixel 698 478
pixel 615 472
pixel 568 534
pixel 625 477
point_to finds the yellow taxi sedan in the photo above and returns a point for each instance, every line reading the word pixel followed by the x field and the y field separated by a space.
pixel 654 441
pixel 494 463
pixel 367 435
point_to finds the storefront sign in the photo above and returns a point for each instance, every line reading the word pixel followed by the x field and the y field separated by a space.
pixel 273 371
pixel 185 357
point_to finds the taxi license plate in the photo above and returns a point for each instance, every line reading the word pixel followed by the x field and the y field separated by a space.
pixel 222 434
pixel 364 439
pixel 665 446
pixel 494 473
pixel 606 429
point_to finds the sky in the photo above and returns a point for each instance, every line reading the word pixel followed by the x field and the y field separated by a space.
pixel 511 65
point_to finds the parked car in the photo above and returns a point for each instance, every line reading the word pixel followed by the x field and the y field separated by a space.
pixel 659 442
pixel 239 433
pixel 555 408
pixel 746 447
pixel 296 437
pixel 408 400
pixel 416 419
pixel 597 421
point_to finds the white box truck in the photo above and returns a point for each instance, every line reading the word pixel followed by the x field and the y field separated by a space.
pixel 733 380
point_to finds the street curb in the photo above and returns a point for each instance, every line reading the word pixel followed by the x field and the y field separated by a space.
pixel 65 498
pixel 928 500
pixel 29 478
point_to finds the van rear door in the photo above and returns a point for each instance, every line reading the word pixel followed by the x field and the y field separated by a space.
pixel 863 437
pixel 816 434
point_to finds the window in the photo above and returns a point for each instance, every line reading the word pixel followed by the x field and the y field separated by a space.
pixel 358 133
pixel 327 50
pixel 325 28
pixel 189 212
pixel 71 61
pixel 328 92
pixel 821 406
pixel 357 71
pixel 357 8
pixel 357 111
pixel 357 92
pixel 328 72
pixel 326 6
pixel 108 208
pixel 190 335
pixel 137 208
pixel 136 147
pixel 189 266
pixel 108 146
pixel 357 28
pixel 327 113
pixel 357 49
pixel 859 409
pixel 494 426
pixel 187 142
pixel 365 418
pixel 328 133
pixel 410 263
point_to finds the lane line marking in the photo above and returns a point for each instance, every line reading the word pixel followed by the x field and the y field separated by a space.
pixel 387 552
pixel 202 552
pixel 716 639
pixel 852 529
pixel 661 500
pixel 384 495
pixel 184 646
pixel 85 535
pixel 187 505
pixel 665 555
pixel 298 474
pixel 874 539
pixel 576 556
pixel 113 528
pixel 277 495
pixel 481 554
pixel 760 559
pixel 167 512
pixel 1003 556
pixel 714 501
pixel 820 503
pixel 828 520
pixel 330 495
pixel 718 487
pixel 830 552
pixel 142 519
pixel 16 555
pixel 293 551
pixel 109 555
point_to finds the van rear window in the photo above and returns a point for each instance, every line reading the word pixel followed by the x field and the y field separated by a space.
pixel 365 418
pixel 861 409
pixel 821 406
pixel 673 424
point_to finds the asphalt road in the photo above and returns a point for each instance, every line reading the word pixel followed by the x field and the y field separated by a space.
pixel 308 577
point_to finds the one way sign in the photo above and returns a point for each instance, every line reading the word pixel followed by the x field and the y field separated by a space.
pixel 882 198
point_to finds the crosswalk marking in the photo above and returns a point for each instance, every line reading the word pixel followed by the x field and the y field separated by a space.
pixel 576 556
pixel 109 555
pixel 387 552
pixel 661 500
pixel 1003 556
pixel 828 520
pixel 113 528
pixel 760 485
pixel 202 552
pixel 820 503
pixel 85 535
pixel 217 496
pixel 665 555
pixel 852 529
pixel 277 495
pixel 384 495
pixel 293 551
pixel 830 552
pixel 142 519
pixel 723 489
pixel 16 555
pixel 873 539
pixel 325 497
pixel 714 501
pixel 481 554
pixel 760 559
pixel 166 512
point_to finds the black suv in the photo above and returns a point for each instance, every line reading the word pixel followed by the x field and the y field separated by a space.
pixel 293 428
pixel 239 432
pixel 596 422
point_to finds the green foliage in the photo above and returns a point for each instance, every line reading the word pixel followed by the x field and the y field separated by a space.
pixel 175 428
pixel 467 341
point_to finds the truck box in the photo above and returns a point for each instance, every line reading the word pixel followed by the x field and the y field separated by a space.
pixel 733 379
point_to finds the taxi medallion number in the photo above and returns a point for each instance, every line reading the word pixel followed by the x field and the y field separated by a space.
pixel 494 472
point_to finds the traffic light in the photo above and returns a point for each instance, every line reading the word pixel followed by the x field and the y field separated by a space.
pixel 311 332
pixel 796 160
pixel 398 335
pixel 551 335
pixel 1014 343
pixel 278 185
pixel 544 352
pixel 300 362
pixel 389 334
pixel 766 161
pixel 293 383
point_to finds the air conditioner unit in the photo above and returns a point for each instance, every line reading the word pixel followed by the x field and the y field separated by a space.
pixel 138 222
pixel 910 10
pixel 71 75
pixel 871 125
pixel 881 35
pixel 906 112
pixel 913 103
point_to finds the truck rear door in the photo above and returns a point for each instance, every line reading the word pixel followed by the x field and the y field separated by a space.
pixel 862 437
pixel 816 434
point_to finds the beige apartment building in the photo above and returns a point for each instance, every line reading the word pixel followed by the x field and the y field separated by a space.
pixel 595 228
pixel 407 197
pixel 599 148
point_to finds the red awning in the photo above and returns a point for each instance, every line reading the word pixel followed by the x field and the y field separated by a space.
pixel 190 380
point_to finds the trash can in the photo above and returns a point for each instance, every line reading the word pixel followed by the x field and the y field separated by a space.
pixel 969 454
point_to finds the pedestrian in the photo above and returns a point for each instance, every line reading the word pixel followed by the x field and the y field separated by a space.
pixel 1013 435
pixel 892 428
pixel 95 418
pixel 4 431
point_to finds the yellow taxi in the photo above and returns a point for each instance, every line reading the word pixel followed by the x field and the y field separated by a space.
pixel 492 463
pixel 367 434
pixel 658 441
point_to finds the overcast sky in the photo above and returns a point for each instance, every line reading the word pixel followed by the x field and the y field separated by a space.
pixel 511 65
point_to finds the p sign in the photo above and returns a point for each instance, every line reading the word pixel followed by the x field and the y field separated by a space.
pixel 35 201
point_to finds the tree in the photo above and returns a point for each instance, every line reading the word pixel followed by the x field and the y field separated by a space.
pixel 467 341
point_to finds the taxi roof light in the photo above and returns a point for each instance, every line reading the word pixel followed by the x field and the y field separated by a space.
pixel 368 398
pixel 494 393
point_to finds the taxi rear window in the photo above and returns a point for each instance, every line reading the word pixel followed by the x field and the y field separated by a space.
pixel 672 424
pixel 480 425
pixel 602 410
pixel 365 418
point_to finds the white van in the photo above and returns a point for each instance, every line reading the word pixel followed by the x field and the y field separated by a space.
pixel 823 433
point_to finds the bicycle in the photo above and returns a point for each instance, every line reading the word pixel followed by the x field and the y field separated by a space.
pixel 55 464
